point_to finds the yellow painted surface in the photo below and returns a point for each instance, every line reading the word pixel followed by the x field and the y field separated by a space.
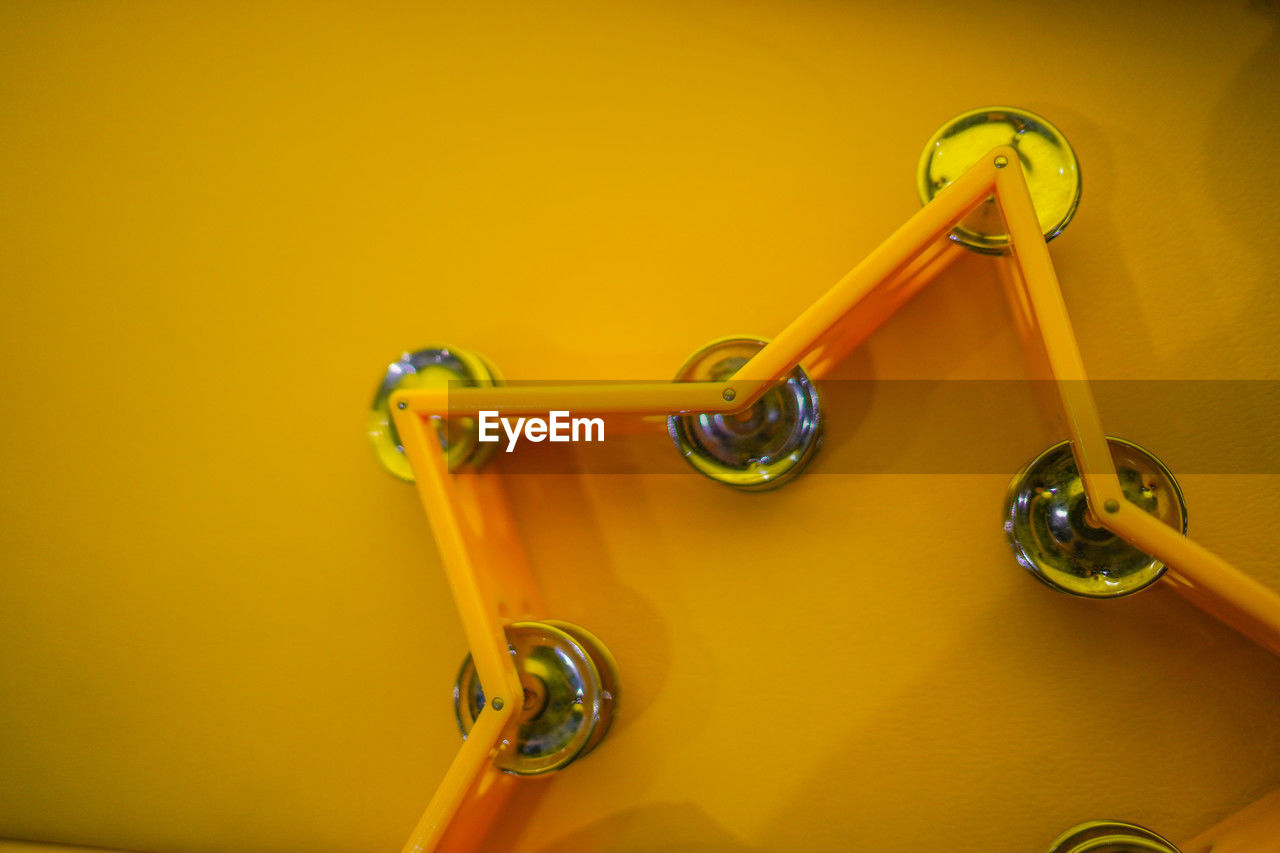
pixel 222 626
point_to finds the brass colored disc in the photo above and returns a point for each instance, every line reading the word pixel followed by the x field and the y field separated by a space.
pixel 607 668
pixel 1049 164
pixel 1111 836
pixel 434 367
pixel 1055 535
pixel 567 703
pixel 756 449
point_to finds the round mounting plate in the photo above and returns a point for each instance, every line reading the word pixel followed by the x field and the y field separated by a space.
pixel 761 447
pixel 1050 166
pixel 567 703
pixel 1055 535
pixel 431 367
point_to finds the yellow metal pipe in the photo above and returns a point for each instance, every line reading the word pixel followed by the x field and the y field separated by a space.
pixel 1202 577
pixel 931 223
pixel 644 398
pixel 1050 318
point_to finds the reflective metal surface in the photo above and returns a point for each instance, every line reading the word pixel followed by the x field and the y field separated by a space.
pixel 1054 534
pixel 761 447
pixel 606 668
pixel 433 367
pixel 1110 836
pixel 568 700
pixel 1053 174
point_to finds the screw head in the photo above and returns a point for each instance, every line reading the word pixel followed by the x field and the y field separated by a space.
pixel 1002 161
pixel 497 703
pixel 402 405
pixel 1111 506
pixel 730 394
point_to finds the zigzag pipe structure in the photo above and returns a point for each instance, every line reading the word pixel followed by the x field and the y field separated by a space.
pixel 487 567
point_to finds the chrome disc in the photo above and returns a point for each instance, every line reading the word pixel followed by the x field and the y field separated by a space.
pixel 1111 836
pixel 434 367
pixel 1055 536
pixel 567 703
pixel 606 667
pixel 761 447
pixel 1050 166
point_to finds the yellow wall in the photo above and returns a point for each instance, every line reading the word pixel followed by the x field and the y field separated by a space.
pixel 223 627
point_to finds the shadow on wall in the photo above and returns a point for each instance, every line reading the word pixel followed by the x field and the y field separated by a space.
pixel 955 765
pixel 1239 163
pixel 1246 123
pixel 663 826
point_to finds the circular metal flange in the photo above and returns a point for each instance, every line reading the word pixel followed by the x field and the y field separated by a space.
pixel 433 367
pixel 1049 164
pixel 568 700
pixel 1111 836
pixel 761 447
pixel 606 667
pixel 1056 537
